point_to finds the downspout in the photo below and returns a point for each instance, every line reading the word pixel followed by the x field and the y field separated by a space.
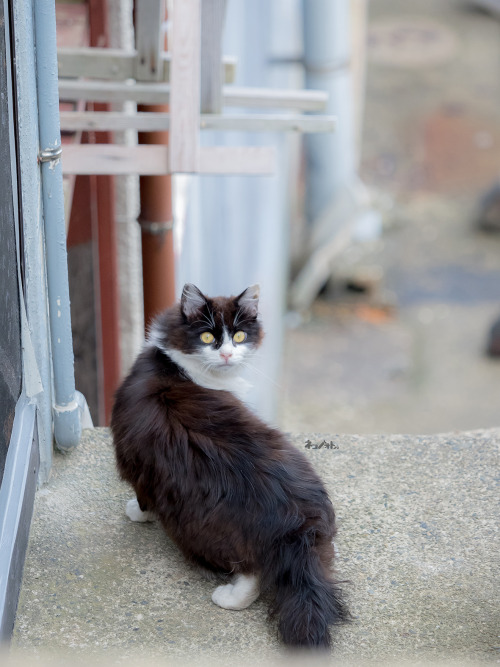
pixel 327 58
pixel 158 267
pixel 156 220
pixel 105 237
pixel 338 206
pixel 66 408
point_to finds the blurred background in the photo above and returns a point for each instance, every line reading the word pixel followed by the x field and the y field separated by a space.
pixel 397 341
pixel 377 247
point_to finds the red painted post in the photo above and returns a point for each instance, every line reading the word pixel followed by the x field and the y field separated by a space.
pixel 157 236
pixel 104 234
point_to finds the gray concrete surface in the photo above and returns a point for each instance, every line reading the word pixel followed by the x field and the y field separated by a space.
pixel 417 539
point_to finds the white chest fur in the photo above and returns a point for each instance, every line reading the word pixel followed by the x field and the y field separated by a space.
pixel 226 380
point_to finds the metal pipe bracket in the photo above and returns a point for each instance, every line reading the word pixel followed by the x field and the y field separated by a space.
pixel 50 154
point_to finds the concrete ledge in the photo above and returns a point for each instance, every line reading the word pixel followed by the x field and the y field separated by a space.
pixel 417 529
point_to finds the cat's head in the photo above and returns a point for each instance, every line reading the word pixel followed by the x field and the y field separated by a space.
pixel 220 333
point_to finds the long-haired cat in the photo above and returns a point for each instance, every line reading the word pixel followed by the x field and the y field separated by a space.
pixel 233 493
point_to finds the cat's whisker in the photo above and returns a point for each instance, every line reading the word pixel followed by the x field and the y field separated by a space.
pixel 205 320
pixel 237 318
pixel 250 366
pixel 197 322
pixel 240 322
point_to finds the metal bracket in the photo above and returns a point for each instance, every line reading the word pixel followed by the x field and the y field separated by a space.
pixel 50 154
pixel 156 227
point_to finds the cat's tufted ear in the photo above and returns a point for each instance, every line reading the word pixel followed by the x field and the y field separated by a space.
pixel 249 300
pixel 192 300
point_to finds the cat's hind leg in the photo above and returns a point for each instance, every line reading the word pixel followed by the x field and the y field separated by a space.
pixel 134 512
pixel 239 594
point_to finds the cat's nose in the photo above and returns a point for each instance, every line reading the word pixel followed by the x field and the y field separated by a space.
pixel 226 356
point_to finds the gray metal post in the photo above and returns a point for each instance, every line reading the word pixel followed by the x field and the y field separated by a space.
pixel 330 157
pixel 33 237
pixel 66 411
pixel 338 206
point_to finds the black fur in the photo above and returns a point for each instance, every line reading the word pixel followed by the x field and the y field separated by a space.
pixel 232 492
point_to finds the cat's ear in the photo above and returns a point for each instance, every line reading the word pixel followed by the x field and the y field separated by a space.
pixel 192 300
pixel 249 300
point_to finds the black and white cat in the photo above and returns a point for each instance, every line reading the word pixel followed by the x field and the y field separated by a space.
pixel 237 498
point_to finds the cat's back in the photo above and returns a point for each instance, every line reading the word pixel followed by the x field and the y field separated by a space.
pixel 157 394
pixel 163 421
pixel 136 405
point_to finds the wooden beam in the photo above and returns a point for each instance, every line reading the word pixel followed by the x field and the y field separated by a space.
pixel 184 140
pixel 271 98
pixel 153 122
pixel 268 123
pixel 117 64
pixel 213 13
pixel 115 159
pixel 151 160
pixel 149 38
pixel 159 93
pixel 114 64
pixel 113 91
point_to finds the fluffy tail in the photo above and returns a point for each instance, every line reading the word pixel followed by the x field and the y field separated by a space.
pixel 307 600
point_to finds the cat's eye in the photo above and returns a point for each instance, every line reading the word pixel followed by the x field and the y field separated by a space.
pixel 207 337
pixel 239 336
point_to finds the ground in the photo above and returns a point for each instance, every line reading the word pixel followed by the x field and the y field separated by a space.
pixel 417 540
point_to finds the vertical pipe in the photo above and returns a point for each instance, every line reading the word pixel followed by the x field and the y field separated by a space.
pixel 33 237
pixel 156 220
pixel 66 411
pixel 107 298
pixel 105 237
pixel 128 233
pixel 327 51
pixel 157 236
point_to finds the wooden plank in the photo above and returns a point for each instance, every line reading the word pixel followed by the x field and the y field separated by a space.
pixel 304 100
pixel 268 123
pixel 117 64
pixel 114 159
pixel 113 91
pixel 159 93
pixel 153 122
pixel 212 24
pixel 184 145
pixel 149 39
pixel 151 160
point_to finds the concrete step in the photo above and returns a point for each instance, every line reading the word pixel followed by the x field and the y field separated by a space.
pixel 417 527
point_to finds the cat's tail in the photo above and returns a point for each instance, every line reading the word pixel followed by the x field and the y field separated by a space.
pixel 307 600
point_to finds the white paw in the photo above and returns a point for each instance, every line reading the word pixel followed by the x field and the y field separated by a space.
pixel 239 595
pixel 134 512
pixel 223 597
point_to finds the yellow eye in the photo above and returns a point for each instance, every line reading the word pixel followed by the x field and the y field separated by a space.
pixel 239 336
pixel 207 337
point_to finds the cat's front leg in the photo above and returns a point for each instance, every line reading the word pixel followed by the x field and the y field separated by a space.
pixel 239 594
pixel 134 512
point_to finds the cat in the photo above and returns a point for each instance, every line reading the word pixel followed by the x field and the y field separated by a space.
pixel 237 498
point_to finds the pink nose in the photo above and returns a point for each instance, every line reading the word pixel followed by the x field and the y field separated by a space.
pixel 226 356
